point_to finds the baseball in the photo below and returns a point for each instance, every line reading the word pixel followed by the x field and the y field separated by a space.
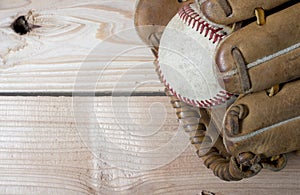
pixel 186 55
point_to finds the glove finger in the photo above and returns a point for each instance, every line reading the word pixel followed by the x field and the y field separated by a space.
pixel 231 11
pixel 263 125
pixel 151 17
pixel 257 57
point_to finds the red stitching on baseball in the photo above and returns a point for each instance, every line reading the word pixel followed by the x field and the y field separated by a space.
pixel 193 19
pixel 187 14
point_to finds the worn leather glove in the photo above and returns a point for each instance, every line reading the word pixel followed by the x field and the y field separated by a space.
pixel 258 62
pixel 261 60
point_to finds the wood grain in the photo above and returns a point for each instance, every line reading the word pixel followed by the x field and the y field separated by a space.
pixel 43 152
pixel 101 145
pixel 78 40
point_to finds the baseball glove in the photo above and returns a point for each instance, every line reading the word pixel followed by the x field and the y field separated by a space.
pixel 260 61
pixel 262 124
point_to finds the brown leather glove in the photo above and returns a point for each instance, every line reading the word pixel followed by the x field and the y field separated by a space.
pixel 261 61
pixel 259 127
pixel 254 125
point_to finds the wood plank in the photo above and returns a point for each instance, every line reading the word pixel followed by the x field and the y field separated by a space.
pixel 43 151
pixel 77 41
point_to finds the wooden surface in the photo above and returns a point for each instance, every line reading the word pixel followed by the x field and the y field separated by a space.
pixel 41 151
pixel 59 144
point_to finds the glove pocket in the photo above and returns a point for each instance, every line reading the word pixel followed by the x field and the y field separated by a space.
pixel 257 57
pixel 263 125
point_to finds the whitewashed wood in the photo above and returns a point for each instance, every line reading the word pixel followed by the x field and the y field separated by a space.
pixel 42 153
pixel 41 150
pixel 74 34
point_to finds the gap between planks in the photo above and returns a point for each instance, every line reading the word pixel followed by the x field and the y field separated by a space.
pixel 86 94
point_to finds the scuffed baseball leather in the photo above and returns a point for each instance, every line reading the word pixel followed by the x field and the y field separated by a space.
pixel 249 60
pixel 263 125
pixel 231 11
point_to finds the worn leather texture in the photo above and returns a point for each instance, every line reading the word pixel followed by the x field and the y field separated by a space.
pixel 264 125
pixel 243 62
pixel 235 10
pixel 151 17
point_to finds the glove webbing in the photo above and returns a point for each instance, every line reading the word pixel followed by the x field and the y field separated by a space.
pixel 217 159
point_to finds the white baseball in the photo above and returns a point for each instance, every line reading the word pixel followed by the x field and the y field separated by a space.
pixel 186 58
